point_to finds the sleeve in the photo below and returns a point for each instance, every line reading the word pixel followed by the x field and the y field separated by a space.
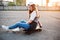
pixel 33 15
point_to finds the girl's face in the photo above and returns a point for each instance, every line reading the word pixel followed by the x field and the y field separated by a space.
pixel 30 8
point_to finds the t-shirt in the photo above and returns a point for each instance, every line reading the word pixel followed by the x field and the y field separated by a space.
pixel 33 17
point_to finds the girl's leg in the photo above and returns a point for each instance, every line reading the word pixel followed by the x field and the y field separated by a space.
pixel 26 26
pixel 20 25
pixel 14 26
pixel 17 24
pixel 23 21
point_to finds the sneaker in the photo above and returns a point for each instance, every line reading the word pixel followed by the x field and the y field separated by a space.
pixel 5 27
pixel 38 28
pixel 16 29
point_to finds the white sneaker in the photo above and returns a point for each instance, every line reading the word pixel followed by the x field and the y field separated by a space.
pixel 16 29
pixel 5 27
pixel 37 27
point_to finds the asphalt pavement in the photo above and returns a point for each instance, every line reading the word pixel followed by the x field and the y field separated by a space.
pixel 50 21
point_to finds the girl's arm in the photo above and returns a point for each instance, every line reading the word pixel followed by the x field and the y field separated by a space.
pixel 32 17
pixel 37 14
pixel 30 21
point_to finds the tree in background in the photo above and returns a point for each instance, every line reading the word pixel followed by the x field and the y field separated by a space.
pixel 17 3
pixel 11 4
pixel 20 2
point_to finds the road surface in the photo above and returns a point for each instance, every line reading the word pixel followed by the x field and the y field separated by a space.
pixel 49 19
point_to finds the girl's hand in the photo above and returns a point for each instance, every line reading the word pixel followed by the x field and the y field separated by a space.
pixel 30 21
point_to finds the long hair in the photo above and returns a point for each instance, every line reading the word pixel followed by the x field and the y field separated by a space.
pixel 33 8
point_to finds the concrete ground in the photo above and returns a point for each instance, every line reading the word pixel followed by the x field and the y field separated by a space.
pixel 49 19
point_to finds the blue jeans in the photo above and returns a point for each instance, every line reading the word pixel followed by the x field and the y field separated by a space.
pixel 21 24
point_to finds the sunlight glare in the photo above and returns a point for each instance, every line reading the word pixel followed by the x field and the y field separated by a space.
pixel 39 2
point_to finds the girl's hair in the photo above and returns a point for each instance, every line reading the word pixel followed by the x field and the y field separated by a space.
pixel 33 8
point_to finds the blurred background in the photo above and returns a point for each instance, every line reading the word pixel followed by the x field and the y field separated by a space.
pixel 22 4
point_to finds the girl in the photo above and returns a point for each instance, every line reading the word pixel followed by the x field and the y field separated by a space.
pixel 31 24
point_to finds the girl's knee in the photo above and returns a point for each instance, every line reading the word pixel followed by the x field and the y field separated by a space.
pixel 23 21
